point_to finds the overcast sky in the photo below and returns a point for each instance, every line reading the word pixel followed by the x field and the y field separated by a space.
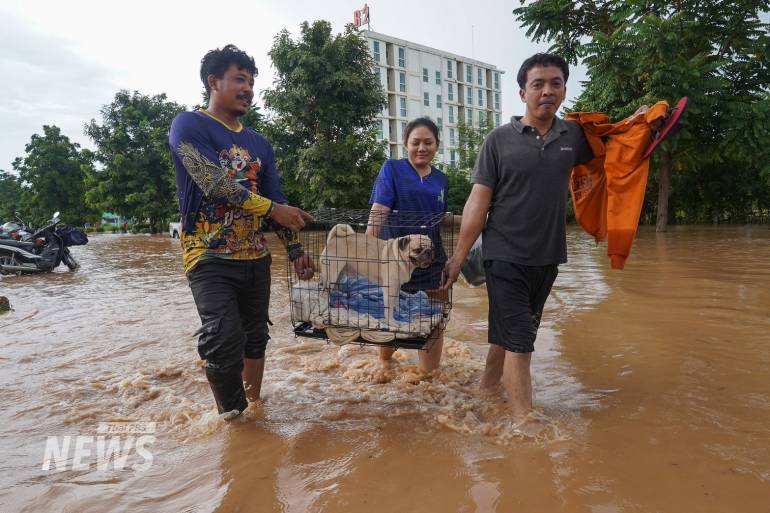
pixel 63 60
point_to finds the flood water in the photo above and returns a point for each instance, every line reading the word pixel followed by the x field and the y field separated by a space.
pixel 656 380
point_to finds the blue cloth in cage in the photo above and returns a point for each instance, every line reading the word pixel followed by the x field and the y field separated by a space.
pixel 359 294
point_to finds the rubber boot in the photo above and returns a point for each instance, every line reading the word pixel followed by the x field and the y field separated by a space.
pixel 228 391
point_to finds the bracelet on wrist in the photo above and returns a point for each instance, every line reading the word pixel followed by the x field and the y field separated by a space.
pixel 294 251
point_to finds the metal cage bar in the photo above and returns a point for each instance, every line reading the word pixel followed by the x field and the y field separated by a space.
pixel 373 290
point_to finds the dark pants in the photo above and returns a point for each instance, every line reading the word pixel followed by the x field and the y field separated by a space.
pixel 517 294
pixel 232 297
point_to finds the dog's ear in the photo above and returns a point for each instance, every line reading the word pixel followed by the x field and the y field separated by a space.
pixel 403 243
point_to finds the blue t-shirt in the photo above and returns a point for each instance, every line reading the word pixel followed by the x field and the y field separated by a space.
pixel 400 187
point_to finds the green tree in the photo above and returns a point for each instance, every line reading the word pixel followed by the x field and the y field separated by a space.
pixel 713 51
pixel 254 119
pixel 459 189
pixel 325 100
pixel 469 142
pixel 137 177
pixel 51 176
pixel 10 196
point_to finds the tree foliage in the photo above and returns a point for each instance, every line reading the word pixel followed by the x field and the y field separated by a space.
pixel 639 52
pixel 51 178
pixel 254 119
pixel 459 189
pixel 10 196
pixel 468 144
pixel 136 178
pixel 325 99
pixel 459 175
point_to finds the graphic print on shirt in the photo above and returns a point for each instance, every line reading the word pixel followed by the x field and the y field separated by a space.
pixel 226 229
pixel 238 164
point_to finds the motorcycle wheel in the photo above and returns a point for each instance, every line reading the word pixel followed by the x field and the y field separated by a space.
pixel 8 260
pixel 70 261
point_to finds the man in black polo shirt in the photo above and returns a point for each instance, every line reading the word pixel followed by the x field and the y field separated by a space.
pixel 520 192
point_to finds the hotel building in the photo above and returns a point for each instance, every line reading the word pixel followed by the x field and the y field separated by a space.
pixel 423 81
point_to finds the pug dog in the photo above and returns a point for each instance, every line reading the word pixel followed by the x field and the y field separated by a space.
pixel 384 262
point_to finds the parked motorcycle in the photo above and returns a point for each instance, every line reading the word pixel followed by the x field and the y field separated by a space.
pixel 16 230
pixel 41 251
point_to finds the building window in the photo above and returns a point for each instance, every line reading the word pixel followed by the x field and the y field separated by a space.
pixel 480 97
pixel 497 119
pixel 478 76
pixel 380 132
pixel 378 72
pixel 468 73
pixel 469 116
pixel 426 99
pixel 450 89
pixel 497 80
pixel 440 149
pixel 440 122
pixel 449 69
pixel 438 101
pixel 402 57
pixel 451 114
pixel 469 96
pixel 452 157
pixel 403 152
pixel 425 75
pixel 497 101
pixel 438 78
pixel 482 118
pixel 402 102
pixel 403 129
pixel 451 137
pixel 376 45
pixel 402 82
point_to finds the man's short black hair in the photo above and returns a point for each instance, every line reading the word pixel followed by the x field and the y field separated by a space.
pixel 216 62
pixel 541 59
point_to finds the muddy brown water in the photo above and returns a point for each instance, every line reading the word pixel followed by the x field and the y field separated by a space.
pixel 656 380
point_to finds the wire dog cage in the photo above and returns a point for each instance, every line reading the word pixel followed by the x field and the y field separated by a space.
pixel 378 277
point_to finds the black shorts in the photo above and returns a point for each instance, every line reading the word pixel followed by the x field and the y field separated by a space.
pixel 233 298
pixel 517 294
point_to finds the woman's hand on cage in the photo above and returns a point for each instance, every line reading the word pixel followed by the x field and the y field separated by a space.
pixel 304 267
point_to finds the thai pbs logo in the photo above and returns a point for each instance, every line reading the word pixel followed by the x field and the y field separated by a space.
pixel 116 446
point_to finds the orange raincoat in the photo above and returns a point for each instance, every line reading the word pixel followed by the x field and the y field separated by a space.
pixel 608 191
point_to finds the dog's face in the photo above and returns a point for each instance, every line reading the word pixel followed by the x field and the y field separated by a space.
pixel 416 249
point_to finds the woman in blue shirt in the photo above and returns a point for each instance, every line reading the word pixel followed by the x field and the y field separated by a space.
pixel 413 185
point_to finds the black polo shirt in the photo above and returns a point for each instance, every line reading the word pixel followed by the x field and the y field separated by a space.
pixel 529 176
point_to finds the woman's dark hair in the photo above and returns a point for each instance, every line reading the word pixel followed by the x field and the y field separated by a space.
pixel 216 62
pixel 541 59
pixel 423 121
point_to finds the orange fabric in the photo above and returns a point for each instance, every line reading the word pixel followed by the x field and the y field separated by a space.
pixel 608 191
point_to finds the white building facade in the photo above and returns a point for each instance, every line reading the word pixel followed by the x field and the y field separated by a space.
pixel 423 81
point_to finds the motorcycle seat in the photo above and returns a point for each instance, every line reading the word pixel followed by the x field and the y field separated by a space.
pixel 17 243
